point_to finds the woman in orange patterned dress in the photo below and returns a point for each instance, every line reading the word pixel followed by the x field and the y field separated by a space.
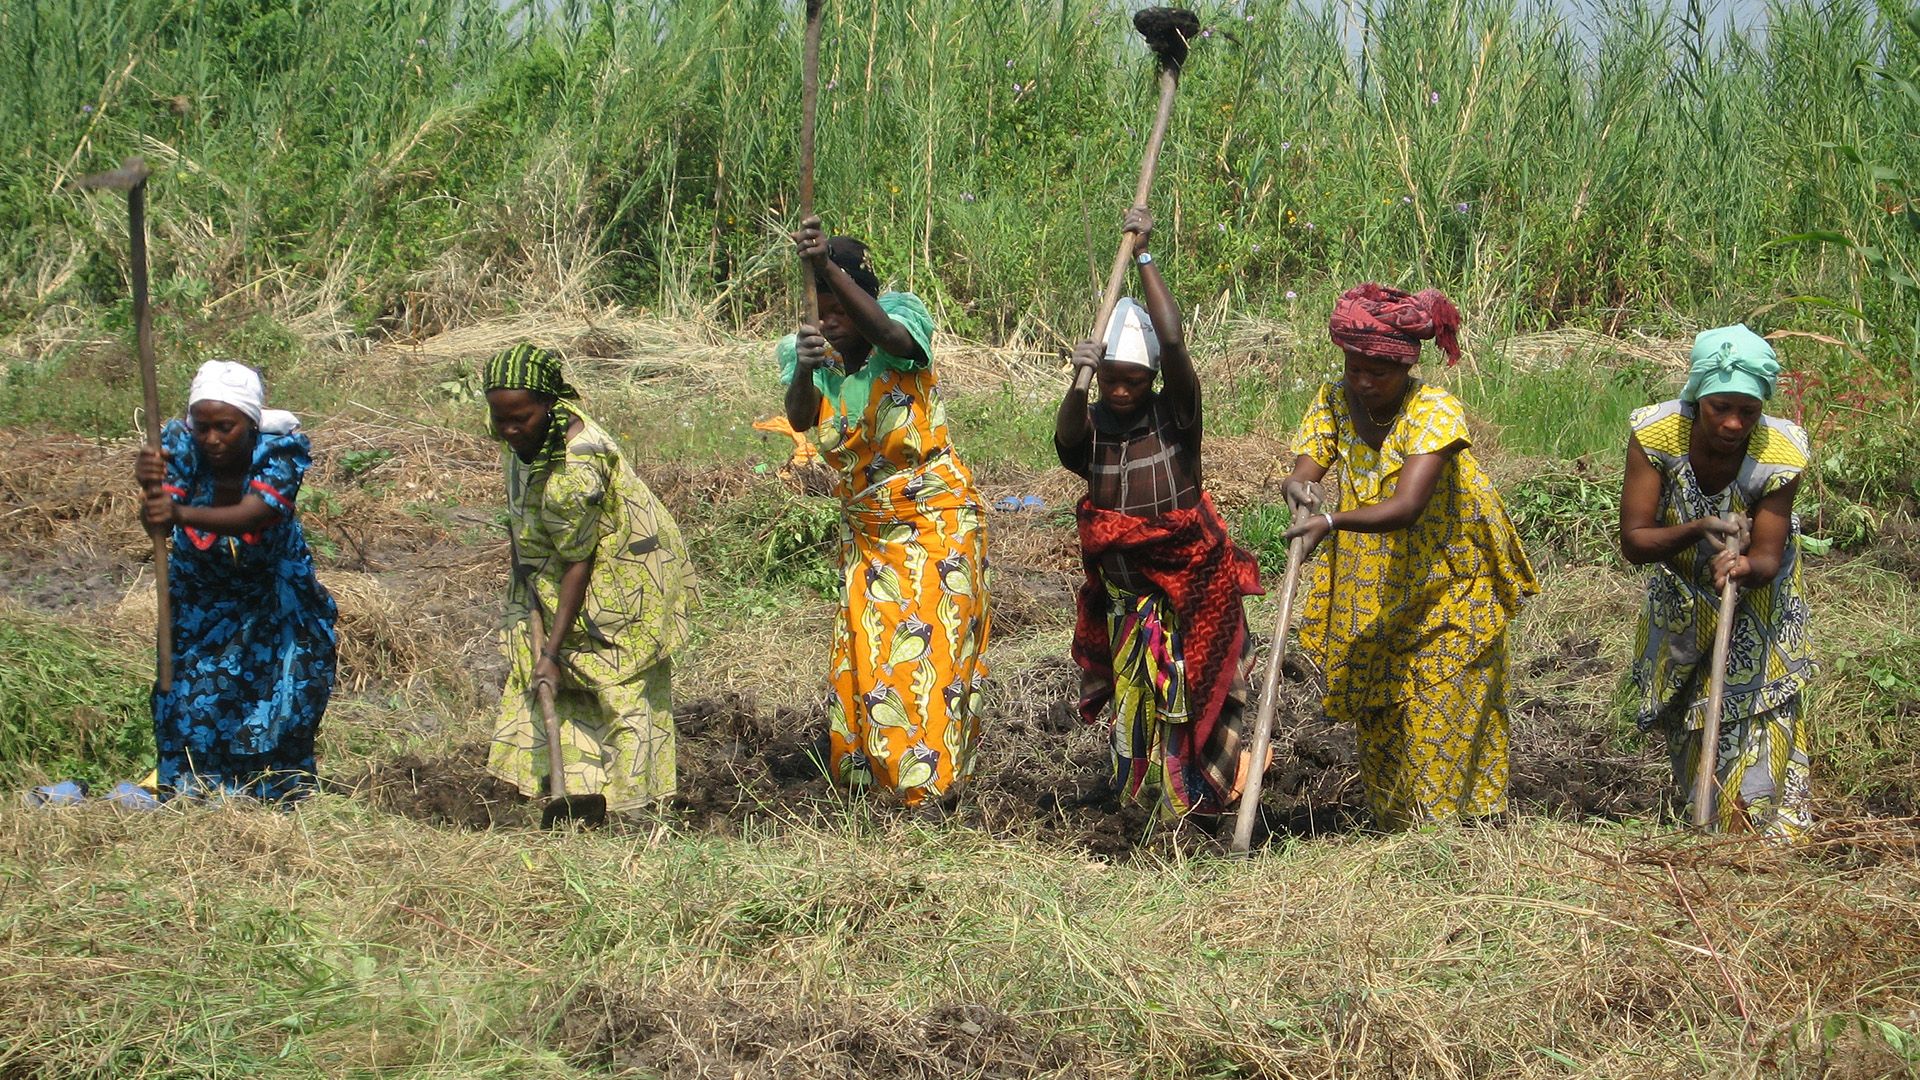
pixel 913 555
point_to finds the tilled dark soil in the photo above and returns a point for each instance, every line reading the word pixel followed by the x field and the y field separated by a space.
pixel 454 790
pixel 1041 775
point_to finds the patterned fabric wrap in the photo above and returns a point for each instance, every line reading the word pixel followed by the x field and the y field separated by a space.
pixel 1769 657
pixel 1763 761
pixel 253 635
pixel 1151 737
pixel 913 620
pixel 1395 617
pixel 1441 755
pixel 1202 573
pixel 1387 324
pixel 1731 360
pixel 614 699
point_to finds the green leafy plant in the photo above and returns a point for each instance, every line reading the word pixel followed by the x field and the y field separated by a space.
pixel 357 463
pixel 1567 512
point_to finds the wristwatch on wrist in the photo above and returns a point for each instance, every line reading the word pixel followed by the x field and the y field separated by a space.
pixel 1144 258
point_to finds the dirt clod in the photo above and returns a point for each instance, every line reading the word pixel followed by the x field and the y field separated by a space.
pixel 454 790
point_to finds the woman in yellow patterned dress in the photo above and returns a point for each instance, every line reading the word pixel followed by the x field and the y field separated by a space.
pixel 1690 464
pixel 1407 615
pixel 913 556
pixel 605 562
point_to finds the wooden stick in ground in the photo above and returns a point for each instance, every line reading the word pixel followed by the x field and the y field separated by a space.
pixel 1117 277
pixel 809 107
pixel 1704 776
pixel 556 774
pixel 131 177
pixel 1269 704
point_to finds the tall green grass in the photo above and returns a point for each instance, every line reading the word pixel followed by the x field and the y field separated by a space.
pixel 403 163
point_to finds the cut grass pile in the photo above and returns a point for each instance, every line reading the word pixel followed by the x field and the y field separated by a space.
pixel 71 704
pixel 335 940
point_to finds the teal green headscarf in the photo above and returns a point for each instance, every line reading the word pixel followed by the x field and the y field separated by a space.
pixel 1731 360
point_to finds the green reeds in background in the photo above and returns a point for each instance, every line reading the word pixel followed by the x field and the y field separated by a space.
pixel 404 164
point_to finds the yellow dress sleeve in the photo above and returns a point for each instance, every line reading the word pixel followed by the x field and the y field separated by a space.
pixel 1435 422
pixel 1319 434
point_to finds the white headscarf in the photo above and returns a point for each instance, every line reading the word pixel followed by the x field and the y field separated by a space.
pixel 236 384
pixel 1130 336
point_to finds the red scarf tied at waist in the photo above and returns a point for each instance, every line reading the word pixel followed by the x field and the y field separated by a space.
pixel 1385 323
pixel 1188 556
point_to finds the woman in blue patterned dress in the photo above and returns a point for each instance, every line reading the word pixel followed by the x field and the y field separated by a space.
pixel 253 636
pixel 1695 466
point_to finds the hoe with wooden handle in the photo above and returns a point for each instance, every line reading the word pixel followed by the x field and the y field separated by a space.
pixel 1167 31
pixel 131 177
pixel 1703 777
pixel 1269 697
pixel 809 107
pixel 561 807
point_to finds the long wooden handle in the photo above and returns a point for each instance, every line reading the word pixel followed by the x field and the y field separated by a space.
pixel 1117 277
pixel 556 774
pixel 1269 703
pixel 1708 770
pixel 809 107
pixel 150 384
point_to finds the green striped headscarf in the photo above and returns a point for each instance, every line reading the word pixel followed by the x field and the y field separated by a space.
pixel 527 367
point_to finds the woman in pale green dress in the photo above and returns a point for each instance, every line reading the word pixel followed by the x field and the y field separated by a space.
pixel 604 562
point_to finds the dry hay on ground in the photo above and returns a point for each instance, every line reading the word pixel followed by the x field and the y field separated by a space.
pixel 384 639
pixel 680 357
pixel 1263 344
pixel 698 1032
pixel 60 492
pixel 1552 349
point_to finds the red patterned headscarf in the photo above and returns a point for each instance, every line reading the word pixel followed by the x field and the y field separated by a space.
pixel 1387 324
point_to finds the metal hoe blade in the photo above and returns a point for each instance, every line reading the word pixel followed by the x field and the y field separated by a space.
pixel 131 174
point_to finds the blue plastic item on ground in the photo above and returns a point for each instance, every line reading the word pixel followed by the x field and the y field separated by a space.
pixel 131 796
pixel 64 793
pixel 1020 502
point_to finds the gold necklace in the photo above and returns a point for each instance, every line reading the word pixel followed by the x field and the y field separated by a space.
pixel 1377 422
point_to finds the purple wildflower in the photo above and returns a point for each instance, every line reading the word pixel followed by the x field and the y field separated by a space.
pixel 1406 198
pixel 1461 208
pixel 1286 145
pixel 1433 98
pixel 88 109
pixel 966 196
pixel 1291 295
